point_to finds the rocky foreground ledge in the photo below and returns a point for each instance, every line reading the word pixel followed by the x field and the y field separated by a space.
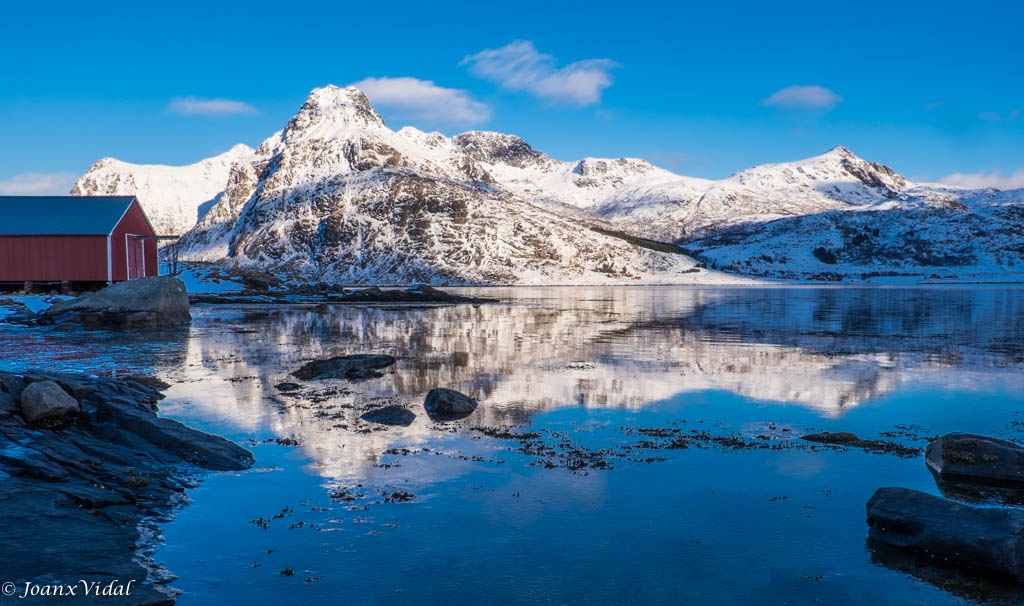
pixel 85 462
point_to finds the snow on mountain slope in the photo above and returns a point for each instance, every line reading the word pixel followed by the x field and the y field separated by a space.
pixel 338 196
pixel 835 180
pixel 627 192
pixel 978 237
pixel 174 197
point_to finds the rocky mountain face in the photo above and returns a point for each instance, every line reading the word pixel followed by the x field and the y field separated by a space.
pixel 174 197
pixel 337 196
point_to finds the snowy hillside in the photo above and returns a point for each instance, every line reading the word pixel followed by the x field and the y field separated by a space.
pixel 174 197
pixel 978 237
pixel 338 196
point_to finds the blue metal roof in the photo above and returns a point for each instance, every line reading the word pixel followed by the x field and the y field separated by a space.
pixel 61 215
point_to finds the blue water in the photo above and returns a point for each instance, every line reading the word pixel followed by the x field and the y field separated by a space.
pixel 588 370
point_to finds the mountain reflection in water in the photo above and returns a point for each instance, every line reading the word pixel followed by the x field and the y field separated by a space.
pixel 826 349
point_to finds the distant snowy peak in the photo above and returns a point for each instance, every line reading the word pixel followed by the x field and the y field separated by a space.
pixel 838 174
pixel 174 197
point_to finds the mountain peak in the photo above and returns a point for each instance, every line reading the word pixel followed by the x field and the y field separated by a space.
pixel 332 110
pixel 486 146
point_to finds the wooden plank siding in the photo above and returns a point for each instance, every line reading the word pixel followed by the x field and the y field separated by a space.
pixel 53 258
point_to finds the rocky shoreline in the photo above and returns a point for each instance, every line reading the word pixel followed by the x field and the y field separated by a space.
pixel 81 480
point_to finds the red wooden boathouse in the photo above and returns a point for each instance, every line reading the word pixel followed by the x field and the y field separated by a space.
pixel 75 239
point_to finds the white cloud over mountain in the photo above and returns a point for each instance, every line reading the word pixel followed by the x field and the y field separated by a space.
pixel 195 106
pixel 995 179
pixel 519 66
pixel 38 184
pixel 803 97
pixel 412 98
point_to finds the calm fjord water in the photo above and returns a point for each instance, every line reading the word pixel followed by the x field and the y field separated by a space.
pixel 571 483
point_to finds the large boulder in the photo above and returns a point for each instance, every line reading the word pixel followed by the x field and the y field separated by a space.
pixel 965 458
pixel 157 302
pixel 45 401
pixel 358 366
pixel 985 539
pixel 448 405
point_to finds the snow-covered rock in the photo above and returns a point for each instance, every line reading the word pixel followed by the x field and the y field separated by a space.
pixel 174 197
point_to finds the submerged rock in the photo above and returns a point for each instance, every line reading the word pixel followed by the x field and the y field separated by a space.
pixel 845 438
pixel 965 458
pixel 358 366
pixel 990 540
pixel 157 302
pixel 827 437
pixel 45 401
pixel 448 405
pixel 390 415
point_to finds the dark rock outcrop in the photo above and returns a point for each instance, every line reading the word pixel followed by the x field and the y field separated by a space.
pixel 354 367
pixel 390 415
pixel 74 499
pixel 964 458
pixel 828 437
pixel 989 540
pixel 45 401
pixel 157 302
pixel 845 438
pixel 448 405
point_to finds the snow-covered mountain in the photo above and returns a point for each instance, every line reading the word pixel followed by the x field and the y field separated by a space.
pixel 338 196
pixel 174 197
pixel 979 236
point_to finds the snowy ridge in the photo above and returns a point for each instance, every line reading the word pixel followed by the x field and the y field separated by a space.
pixel 174 197
pixel 627 192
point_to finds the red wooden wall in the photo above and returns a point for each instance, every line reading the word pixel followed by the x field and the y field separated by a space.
pixel 53 258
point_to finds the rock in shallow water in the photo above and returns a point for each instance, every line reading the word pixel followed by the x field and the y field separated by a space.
pixel 45 401
pixel 157 302
pixel 390 415
pixel 970 458
pixel 448 405
pixel 989 540
pixel 358 366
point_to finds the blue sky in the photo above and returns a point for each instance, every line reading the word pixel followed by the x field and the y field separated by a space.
pixel 930 88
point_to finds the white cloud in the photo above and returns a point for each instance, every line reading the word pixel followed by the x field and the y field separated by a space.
pixel 995 179
pixel 418 99
pixel 38 184
pixel 997 117
pixel 518 66
pixel 803 97
pixel 194 106
pixel 934 105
